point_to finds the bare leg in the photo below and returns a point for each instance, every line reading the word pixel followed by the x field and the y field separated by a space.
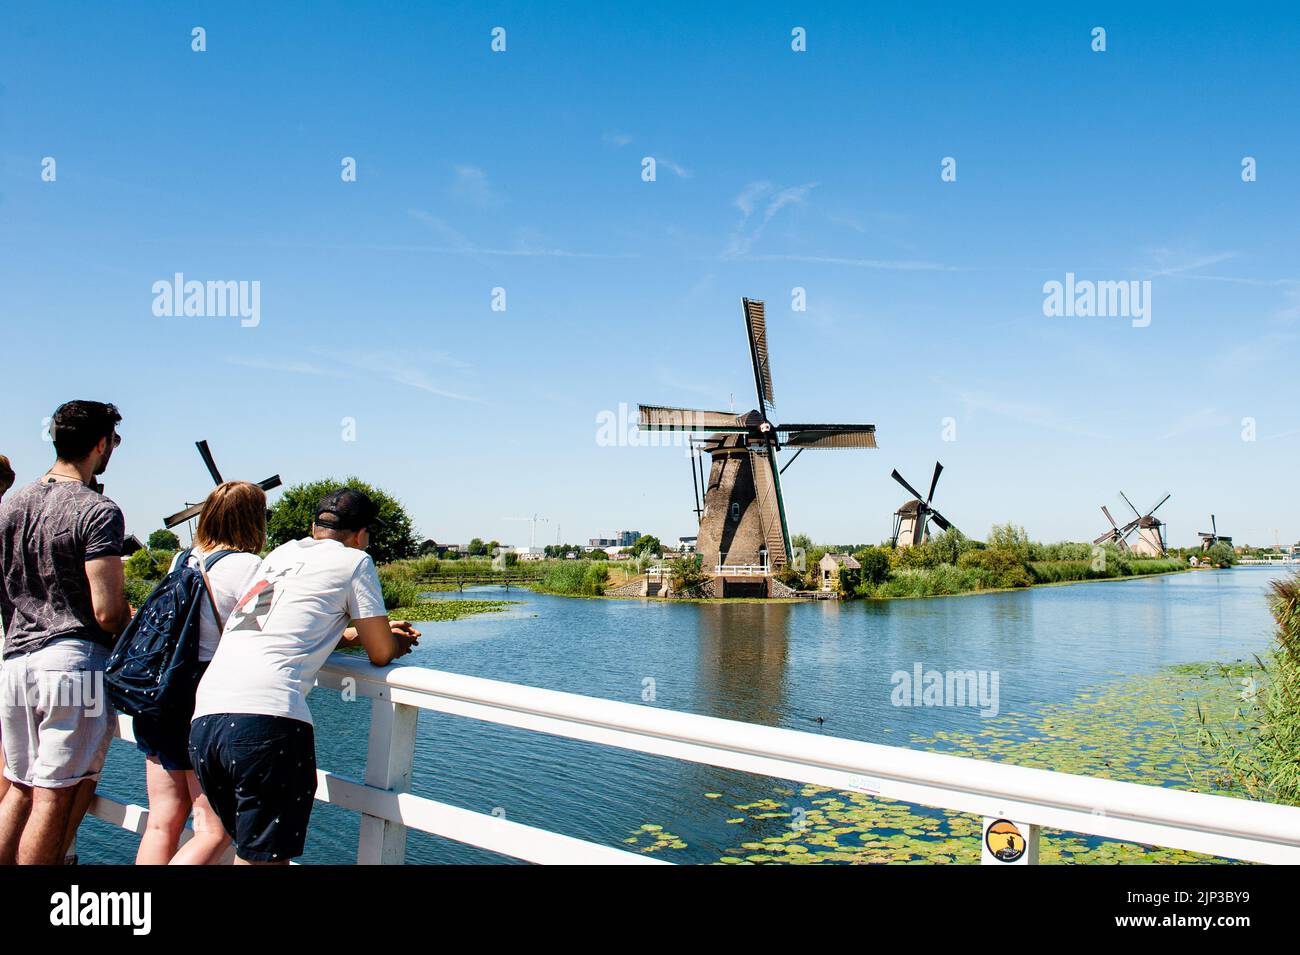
pixel 169 807
pixel 4 783
pixel 210 842
pixel 14 811
pixel 45 836
pixel 83 796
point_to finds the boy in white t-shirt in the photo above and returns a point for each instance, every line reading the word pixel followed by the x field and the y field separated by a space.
pixel 251 740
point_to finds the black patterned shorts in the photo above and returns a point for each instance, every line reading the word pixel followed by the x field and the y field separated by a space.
pixel 259 774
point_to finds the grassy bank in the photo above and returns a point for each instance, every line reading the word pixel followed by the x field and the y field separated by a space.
pixel 1264 760
pixel 953 564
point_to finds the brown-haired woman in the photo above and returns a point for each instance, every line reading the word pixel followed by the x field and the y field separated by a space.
pixel 233 520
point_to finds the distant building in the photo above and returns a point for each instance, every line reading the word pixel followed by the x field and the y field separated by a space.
pixel 627 538
pixel 687 544
pixel 830 566
pixel 600 543
pixel 530 553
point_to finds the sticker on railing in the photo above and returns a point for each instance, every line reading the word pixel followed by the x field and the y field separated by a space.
pixel 1008 843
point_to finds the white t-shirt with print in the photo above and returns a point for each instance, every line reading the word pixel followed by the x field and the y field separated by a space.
pixel 285 626
pixel 230 578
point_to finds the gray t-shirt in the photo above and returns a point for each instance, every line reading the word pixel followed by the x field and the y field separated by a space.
pixel 48 530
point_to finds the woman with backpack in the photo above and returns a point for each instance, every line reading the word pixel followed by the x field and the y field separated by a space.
pixel 231 533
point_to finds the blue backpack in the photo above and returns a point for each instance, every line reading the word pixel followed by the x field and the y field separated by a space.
pixel 153 670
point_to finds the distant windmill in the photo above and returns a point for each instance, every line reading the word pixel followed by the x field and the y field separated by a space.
pixel 1151 530
pixel 1116 535
pixel 742 518
pixel 911 520
pixel 1208 540
pixel 194 510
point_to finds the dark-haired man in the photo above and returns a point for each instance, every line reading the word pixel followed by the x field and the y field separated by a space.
pixel 63 605
pixel 251 741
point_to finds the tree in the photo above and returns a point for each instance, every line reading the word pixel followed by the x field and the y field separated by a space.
pixel 647 544
pixel 1222 555
pixel 164 540
pixel 292 515
pixel 477 548
pixel 875 564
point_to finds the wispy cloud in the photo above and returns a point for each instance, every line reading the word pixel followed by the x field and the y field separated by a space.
pixel 1206 419
pixel 753 222
pixel 1037 415
pixel 471 186
pixel 894 265
pixel 617 140
pixel 681 172
pixel 1172 262
pixel 459 244
pixel 401 368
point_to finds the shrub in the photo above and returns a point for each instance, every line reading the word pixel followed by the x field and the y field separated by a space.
pixel 998 567
pixel 875 564
pixel 578 578
pixel 919 557
pixel 847 582
pixel 687 574
pixel 1222 555
pixel 1010 537
pixel 137 591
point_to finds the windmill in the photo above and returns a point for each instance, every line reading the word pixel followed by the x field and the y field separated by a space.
pixel 194 510
pixel 742 515
pixel 911 519
pixel 1151 530
pixel 1208 540
pixel 1116 535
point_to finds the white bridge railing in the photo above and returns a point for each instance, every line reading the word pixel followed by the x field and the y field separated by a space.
pixel 1218 825
pixel 742 570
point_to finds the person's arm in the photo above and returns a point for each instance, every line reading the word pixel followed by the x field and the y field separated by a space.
pixel 107 598
pixel 384 640
pixel 104 529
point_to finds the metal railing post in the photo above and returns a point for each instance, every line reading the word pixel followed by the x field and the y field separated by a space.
pixel 389 759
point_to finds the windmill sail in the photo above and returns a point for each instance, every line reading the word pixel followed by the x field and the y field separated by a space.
pixel 818 437
pixel 659 418
pixel 756 325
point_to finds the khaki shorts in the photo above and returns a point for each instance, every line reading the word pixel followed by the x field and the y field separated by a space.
pixel 55 719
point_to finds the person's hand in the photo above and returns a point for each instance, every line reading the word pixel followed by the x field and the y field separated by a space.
pixel 406 635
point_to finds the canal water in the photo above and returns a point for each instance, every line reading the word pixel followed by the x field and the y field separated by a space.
pixel 785 665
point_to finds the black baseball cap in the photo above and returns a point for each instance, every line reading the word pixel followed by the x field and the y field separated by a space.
pixel 347 509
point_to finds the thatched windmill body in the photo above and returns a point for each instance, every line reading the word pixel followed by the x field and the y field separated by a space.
pixel 743 520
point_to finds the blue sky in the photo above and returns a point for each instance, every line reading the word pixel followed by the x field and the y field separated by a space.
pixel 775 170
